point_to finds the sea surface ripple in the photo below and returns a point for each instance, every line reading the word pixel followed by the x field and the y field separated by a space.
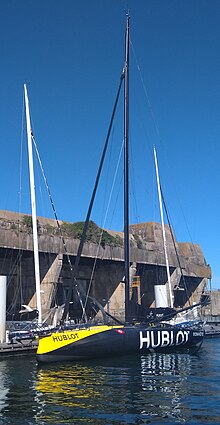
pixel 149 389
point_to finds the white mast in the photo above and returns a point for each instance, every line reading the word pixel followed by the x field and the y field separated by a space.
pixel 163 228
pixel 33 207
pixel 3 291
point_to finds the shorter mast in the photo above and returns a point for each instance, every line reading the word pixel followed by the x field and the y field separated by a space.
pixel 163 228
pixel 126 178
pixel 33 207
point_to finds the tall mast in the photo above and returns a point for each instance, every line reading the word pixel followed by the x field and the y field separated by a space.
pixel 33 206
pixel 163 228
pixel 126 176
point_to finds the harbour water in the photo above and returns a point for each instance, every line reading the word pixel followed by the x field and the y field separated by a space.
pixel 150 389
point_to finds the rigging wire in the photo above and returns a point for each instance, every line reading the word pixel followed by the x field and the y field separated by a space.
pixel 82 240
pixel 107 176
pixel 57 221
pixel 17 289
pixel 75 269
pixel 103 224
pixel 21 157
pixel 160 139
pixel 146 94
pixel 133 191
pixel 174 243
pixel 48 258
pixel 158 131
pixel 116 198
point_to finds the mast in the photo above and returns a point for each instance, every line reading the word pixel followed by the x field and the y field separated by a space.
pixel 33 206
pixel 163 228
pixel 126 177
pixel 81 244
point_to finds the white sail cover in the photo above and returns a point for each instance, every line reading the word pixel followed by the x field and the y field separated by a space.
pixel 160 292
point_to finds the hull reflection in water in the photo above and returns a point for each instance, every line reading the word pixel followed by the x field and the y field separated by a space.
pixel 152 389
pixel 151 386
pixel 102 341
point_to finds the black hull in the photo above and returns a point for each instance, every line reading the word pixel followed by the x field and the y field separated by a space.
pixel 113 341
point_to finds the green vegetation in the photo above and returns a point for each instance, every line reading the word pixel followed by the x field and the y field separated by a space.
pixel 74 230
pixel 27 222
pixel 94 233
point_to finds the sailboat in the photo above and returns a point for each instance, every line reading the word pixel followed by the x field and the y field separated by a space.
pixel 89 340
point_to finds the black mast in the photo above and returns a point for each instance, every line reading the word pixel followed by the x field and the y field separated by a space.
pixel 74 270
pixel 126 177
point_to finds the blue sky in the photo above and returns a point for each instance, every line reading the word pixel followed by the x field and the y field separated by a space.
pixel 70 53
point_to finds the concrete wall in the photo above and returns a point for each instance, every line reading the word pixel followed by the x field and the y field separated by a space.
pixel 213 309
pixel 147 253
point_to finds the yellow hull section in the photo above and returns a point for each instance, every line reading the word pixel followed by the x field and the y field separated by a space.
pixel 61 339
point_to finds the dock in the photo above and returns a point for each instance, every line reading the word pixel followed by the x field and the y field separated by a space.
pixel 18 347
pixel 212 327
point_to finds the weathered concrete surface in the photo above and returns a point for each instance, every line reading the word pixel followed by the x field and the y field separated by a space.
pixel 213 309
pixel 16 243
pixel 146 244
pixel 48 284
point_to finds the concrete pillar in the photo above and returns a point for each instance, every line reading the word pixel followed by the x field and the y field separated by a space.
pixel 3 289
pixel 48 285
